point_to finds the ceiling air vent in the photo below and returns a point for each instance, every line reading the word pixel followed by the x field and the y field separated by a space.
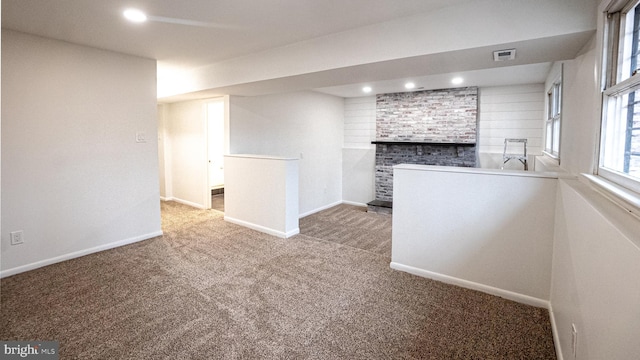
pixel 502 55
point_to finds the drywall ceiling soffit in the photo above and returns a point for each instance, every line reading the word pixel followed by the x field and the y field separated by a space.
pixel 290 33
pixel 198 33
pixel 476 66
pixel 429 71
pixel 193 33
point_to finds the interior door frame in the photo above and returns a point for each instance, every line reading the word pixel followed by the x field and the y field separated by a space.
pixel 226 145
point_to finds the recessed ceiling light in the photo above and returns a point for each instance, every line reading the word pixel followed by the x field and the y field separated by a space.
pixel 409 85
pixel 135 15
pixel 457 80
pixel 367 89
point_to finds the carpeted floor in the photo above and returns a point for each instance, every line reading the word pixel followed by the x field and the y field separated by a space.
pixel 352 226
pixel 208 289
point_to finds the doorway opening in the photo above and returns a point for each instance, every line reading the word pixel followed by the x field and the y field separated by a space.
pixel 215 152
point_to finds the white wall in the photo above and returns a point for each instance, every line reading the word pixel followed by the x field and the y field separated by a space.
pixel 596 262
pixel 74 178
pixel 185 129
pixel 581 112
pixel 305 125
pixel 510 112
pixel 182 133
pixel 359 122
pixel 491 230
pixel 596 275
pixel 504 111
pixel 267 203
pixel 164 153
pixel 358 176
pixel 358 154
pixel 0 140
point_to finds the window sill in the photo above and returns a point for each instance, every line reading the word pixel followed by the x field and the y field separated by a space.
pixel 623 197
pixel 548 163
pixel 551 157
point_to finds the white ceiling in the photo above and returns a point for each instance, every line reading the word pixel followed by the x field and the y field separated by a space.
pixel 200 32
pixel 511 75
pixel 197 33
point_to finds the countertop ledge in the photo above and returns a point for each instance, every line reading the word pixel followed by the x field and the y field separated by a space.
pixel 469 170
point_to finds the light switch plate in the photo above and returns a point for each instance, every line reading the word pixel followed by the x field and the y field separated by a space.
pixel 141 137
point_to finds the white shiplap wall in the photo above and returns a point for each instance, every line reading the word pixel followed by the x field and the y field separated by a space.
pixel 505 111
pixel 359 122
pixel 511 112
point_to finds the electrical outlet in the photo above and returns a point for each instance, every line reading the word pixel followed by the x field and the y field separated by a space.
pixel 574 340
pixel 17 237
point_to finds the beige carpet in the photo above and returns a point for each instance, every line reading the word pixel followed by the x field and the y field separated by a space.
pixel 213 290
pixel 352 226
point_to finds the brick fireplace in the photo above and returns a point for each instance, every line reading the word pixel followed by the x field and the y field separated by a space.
pixel 431 127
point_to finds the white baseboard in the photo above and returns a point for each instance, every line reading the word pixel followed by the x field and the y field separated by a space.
pixel 354 203
pixel 521 298
pixel 556 334
pixel 189 203
pixel 264 229
pixel 77 254
pixel 320 209
pixel 291 233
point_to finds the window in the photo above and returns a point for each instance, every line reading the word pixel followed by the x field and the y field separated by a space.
pixel 552 124
pixel 620 133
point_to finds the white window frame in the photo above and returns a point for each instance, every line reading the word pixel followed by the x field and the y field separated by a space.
pixel 618 81
pixel 553 122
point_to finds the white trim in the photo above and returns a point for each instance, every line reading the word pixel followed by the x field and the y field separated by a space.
pixel 509 295
pixel 77 254
pixel 262 157
pixel 320 209
pixel 622 179
pixel 621 196
pixel 556 334
pixel 545 162
pixel 346 202
pixel 623 87
pixel 206 194
pixel 189 203
pixel 360 147
pixel 263 229
pixel 551 157
pixel 558 81
pixel 498 172
pixel 169 198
